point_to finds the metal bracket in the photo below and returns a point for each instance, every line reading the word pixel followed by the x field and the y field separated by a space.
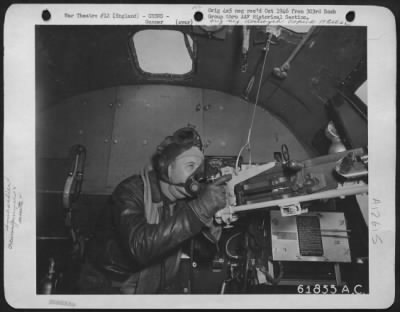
pixel 292 210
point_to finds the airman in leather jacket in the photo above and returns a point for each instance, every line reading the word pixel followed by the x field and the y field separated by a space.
pixel 150 219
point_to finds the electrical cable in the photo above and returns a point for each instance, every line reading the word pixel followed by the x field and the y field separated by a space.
pixel 274 280
pixel 227 246
pixel 247 263
pixel 247 144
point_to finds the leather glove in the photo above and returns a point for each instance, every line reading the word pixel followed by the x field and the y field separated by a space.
pixel 211 199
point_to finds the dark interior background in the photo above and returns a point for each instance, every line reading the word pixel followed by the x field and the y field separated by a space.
pixel 89 92
pixel 76 59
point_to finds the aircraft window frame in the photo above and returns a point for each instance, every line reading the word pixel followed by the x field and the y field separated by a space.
pixel 191 47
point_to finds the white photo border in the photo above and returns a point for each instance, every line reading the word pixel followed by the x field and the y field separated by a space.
pixel 20 171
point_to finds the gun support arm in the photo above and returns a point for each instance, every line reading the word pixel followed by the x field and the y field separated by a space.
pixel 339 192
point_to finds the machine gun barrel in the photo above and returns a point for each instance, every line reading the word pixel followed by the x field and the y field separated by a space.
pixel 342 191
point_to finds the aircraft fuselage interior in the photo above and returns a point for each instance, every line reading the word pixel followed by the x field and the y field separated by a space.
pixel 283 110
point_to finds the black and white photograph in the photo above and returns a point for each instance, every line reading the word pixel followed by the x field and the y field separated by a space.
pixel 141 129
pixel 190 159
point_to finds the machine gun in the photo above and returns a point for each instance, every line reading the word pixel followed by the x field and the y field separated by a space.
pixel 272 184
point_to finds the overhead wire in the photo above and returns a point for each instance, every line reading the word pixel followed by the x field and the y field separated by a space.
pixel 248 142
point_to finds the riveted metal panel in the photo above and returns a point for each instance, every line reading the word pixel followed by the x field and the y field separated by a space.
pixel 85 119
pixel 98 116
pixel 226 121
pixel 57 129
pixel 146 115
pixel 226 126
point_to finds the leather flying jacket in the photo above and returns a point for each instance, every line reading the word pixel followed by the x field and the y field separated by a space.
pixel 142 240
pixel 134 244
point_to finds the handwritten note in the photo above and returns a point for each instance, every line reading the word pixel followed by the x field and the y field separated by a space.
pixel 376 222
pixel 13 211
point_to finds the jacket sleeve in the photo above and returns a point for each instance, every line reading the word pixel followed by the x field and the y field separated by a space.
pixel 142 240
